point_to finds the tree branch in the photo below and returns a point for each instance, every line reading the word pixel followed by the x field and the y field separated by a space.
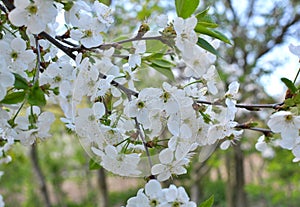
pixel 250 107
pixel 279 38
pixel 40 175
pixel 266 132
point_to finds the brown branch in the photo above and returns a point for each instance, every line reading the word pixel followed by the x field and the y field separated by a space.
pixel 250 107
pixel 9 4
pixel 266 132
pixel 40 176
pixel 279 38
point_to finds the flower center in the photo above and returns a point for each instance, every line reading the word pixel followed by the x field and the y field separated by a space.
pixel 140 104
pixel 176 204
pixel 88 33
pixel 289 118
pixel 14 55
pixel 32 9
pixel 153 203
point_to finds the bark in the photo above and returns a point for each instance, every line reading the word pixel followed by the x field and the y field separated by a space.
pixel 199 171
pixel 104 201
pixel 230 181
pixel 239 190
pixel 40 176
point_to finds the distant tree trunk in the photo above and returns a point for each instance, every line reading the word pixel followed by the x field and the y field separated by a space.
pixel 40 176
pixel 103 201
pixel 239 190
pixel 230 180
pixel 198 172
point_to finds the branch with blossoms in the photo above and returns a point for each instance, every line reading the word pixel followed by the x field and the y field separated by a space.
pixel 121 123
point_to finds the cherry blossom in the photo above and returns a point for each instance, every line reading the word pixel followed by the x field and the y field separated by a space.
pixel 30 130
pixel 35 15
pixel 7 79
pixel 168 165
pixel 264 148
pixel 287 124
pixel 295 49
pixel 186 37
pixel 121 164
pixel 16 56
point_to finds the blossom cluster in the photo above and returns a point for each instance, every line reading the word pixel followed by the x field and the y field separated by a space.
pixel 120 123
pixel 155 195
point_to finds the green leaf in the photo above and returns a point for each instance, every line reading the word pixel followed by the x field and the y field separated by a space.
pixel 185 8
pixel 289 84
pixel 297 98
pixel 163 70
pixel 206 20
pixel 20 82
pixel 154 56
pixel 162 63
pixel 289 102
pixel 155 46
pixel 202 13
pixel 207 46
pixel 208 203
pixel 93 165
pixel 36 96
pixel 14 98
pixel 106 2
pixel 213 33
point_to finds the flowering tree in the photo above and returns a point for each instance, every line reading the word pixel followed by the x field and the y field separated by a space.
pixel 128 128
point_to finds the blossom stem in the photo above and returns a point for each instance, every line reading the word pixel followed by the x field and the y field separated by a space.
pixel 139 130
pixel 266 132
pixel 38 63
pixel 250 107
pixel 296 76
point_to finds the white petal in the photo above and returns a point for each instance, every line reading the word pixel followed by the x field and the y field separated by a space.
pixel 225 145
pixel 153 188
pixel 166 156
pixel 99 109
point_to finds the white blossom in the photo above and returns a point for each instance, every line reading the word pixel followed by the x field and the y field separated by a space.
pixel 35 15
pixel 186 37
pixel 295 50
pixel 7 79
pixel 117 162
pixel 264 148
pixel 16 56
pixel 168 165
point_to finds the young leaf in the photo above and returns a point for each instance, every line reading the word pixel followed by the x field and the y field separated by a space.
pixel 208 203
pixel 289 84
pixel 207 46
pixel 155 46
pixel 206 20
pixel 14 98
pixel 202 13
pixel 93 165
pixel 36 96
pixel 20 82
pixel 162 63
pixel 163 70
pixel 213 33
pixel 185 8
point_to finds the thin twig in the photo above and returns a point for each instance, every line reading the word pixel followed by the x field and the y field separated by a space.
pixel 2 8
pixel 38 64
pixel 266 132
pixel 139 130
pixel 250 107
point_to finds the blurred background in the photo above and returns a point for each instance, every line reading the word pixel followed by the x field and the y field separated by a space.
pixel 56 172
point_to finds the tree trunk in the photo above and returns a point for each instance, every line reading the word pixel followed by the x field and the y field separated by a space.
pixel 40 176
pixel 239 190
pixel 103 201
pixel 230 180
